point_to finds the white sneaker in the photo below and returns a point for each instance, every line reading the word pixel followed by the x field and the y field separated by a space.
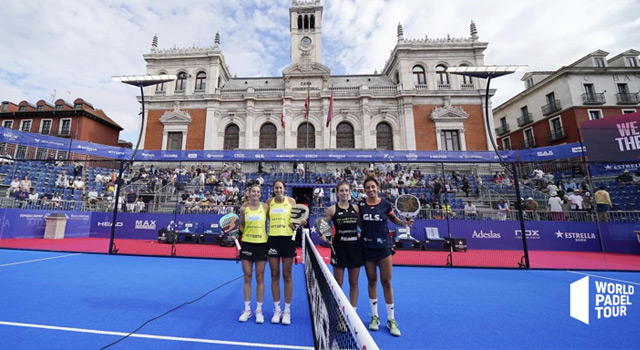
pixel 244 316
pixel 259 316
pixel 277 314
pixel 286 318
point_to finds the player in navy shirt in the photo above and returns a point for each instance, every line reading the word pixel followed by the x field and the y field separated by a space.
pixel 376 246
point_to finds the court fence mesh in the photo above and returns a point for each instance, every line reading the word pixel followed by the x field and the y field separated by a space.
pixel 336 324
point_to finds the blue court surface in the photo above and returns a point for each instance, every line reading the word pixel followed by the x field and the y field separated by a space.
pixel 87 301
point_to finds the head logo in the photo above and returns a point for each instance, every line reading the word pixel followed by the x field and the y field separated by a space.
pixel 611 299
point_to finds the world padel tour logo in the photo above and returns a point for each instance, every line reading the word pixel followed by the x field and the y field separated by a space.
pixel 607 300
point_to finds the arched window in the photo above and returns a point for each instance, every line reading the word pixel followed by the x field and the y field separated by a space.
pixel 344 136
pixel 299 21
pixel 160 87
pixel 312 22
pixel 231 137
pixel 466 80
pixel 306 22
pixel 306 136
pixel 442 77
pixel 268 136
pixel 418 76
pixel 201 81
pixel 384 137
pixel 181 82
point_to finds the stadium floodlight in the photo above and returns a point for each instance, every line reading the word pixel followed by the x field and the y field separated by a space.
pixel 489 72
pixel 140 81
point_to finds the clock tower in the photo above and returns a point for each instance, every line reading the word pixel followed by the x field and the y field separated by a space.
pixel 306 31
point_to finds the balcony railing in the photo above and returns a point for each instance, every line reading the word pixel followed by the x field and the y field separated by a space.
pixel 627 99
pixel 551 108
pixel 178 92
pixel 444 86
pixel 503 129
pixel 528 143
pixel 467 87
pixel 593 98
pixel 198 91
pixel 421 87
pixel 525 119
pixel 556 134
pixel 160 92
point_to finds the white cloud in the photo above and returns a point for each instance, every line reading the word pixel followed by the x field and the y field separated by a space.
pixel 77 45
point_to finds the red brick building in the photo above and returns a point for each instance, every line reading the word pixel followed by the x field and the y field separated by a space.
pixel 77 121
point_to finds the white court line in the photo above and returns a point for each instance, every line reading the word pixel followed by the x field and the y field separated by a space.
pixel 150 336
pixel 606 278
pixel 36 260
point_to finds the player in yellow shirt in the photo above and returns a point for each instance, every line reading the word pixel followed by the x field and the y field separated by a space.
pixel 280 246
pixel 253 222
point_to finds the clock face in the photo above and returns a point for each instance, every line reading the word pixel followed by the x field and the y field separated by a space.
pixel 306 41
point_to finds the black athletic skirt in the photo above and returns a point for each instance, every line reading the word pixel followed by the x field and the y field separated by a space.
pixel 281 247
pixel 348 254
pixel 253 251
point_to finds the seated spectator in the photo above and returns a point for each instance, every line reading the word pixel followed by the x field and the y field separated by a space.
pixel 78 185
pixel 131 200
pixel 22 197
pixel 636 178
pixel 33 196
pixel 25 184
pixel 92 196
pixel 62 179
pixel 56 200
pixel 446 209
pixel 625 178
pixel 470 210
pixel 437 212
pixel 14 186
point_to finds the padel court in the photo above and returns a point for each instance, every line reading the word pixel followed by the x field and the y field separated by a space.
pixel 57 300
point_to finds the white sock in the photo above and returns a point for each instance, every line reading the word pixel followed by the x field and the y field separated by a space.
pixel 277 304
pixel 287 307
pixel 259 307
pixel 390 312
pixel 247 305
pixel 374 306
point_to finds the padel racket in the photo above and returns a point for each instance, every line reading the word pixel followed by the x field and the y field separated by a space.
pixel 323 227
pixel 408 207
pixel 230 225
pixel 299 213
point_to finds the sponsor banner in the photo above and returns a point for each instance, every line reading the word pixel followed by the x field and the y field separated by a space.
pixel 612 139
pixel 620 237
pixel 31 223
pixel 146 226
pixel 600 169
pixel 570 150
pixel 506 235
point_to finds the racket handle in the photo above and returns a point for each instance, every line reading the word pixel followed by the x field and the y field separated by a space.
pixel 235 240
pixel 295 230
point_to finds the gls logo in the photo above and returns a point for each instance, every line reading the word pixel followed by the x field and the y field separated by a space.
pixel 371 217
pixel 611 299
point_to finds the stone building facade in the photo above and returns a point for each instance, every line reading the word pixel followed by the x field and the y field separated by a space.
pixel 412 104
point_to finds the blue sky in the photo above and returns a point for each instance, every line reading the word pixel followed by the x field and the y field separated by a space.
pixel 75 46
